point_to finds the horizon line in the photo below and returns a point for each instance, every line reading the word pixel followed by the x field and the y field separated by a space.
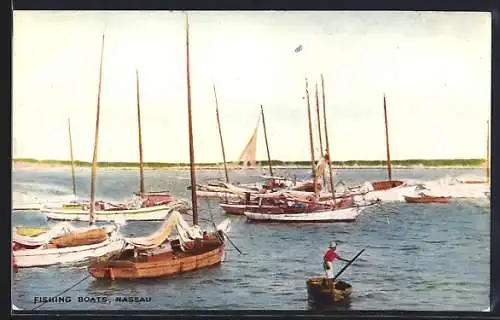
pixel 273 161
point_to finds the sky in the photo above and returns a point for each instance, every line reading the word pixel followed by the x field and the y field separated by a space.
pixel 433 67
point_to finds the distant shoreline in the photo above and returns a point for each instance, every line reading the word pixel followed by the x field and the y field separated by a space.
pixel 33 164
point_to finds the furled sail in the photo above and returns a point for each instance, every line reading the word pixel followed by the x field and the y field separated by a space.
pixel 249 154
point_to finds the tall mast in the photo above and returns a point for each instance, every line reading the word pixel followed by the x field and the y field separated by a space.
pixel 326 140
pixel 141 162
pixel 487 151
pixel 190 125
pixel 319 129
pixel 319 121
pixel 71 158
pixel 220 135
pixel 311 136
pixel 267 144
pixel 389 169
pixel 96 143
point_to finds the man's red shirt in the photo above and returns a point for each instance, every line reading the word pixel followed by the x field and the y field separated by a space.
pixel 330 255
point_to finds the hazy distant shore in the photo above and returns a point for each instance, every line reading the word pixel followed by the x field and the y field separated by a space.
pixel 33 164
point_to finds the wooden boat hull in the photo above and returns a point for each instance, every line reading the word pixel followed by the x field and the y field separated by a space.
pixel 46 257
pixel 236 209
pixel 163 265
pixel 239 209
pixel 142 214
pixel 319 291
pixel 338 215
pixel 386 184
pixel 428 199
pixel 217 195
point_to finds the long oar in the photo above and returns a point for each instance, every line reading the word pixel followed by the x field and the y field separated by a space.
pixel 347 265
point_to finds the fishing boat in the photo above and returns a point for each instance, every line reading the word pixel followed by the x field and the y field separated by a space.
pixel 143 206
pixel 320 291
pixel 109 211
pixel 330 291
pixel 301 213
pixel 63 243
pixel 424 198
pixel 387 190
pixel 225 190
pixel 269 200
pixel 295 210
pixel 160 255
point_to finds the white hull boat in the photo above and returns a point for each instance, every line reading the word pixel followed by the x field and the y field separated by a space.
pixel 44 256
pixel 338 215
pixel 153 213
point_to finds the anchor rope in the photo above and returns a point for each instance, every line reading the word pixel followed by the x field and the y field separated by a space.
pixel 64 291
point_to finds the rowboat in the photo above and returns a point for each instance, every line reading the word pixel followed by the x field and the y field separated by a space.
pixel 108 211
pixel 320 291
pixel 64 244
pixel 424 198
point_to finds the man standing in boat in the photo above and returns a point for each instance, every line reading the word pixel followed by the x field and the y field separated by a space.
pixel 328 259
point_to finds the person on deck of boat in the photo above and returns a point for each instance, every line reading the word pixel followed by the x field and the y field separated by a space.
pixel 328 259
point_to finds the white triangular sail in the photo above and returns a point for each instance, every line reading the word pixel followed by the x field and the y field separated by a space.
pixel 249 154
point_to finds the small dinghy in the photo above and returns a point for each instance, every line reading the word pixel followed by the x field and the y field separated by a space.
pixel 325 291
pixel 424 198
pixel 322 291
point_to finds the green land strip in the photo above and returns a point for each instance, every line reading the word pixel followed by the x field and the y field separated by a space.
pixel 459 163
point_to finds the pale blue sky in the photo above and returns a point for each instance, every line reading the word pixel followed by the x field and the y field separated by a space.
pixel 434 68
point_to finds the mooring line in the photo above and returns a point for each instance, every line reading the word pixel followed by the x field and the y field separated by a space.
pixel 86 277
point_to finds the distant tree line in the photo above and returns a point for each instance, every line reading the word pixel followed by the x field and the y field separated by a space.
pixel 348 163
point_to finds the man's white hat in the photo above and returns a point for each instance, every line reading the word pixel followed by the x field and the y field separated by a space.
pixel 333 244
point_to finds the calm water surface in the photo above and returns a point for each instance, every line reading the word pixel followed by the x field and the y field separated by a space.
pixel 417 257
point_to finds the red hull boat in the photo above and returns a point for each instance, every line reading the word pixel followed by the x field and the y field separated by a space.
pixel 423 198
